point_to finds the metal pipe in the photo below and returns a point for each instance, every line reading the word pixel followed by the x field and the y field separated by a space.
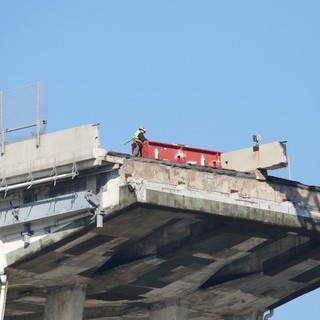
pixel 2 258
pixel 38 181
pixel 3 140
pixel 38 129
pixel 26 126
pixel 38 102
pixel 3 282
pixel 268 315
pixel 3 295
pixel 20 128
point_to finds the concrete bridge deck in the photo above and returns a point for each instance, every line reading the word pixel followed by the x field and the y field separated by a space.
pixel 176 241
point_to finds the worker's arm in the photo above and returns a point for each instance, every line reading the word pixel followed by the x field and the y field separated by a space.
pixel 141 137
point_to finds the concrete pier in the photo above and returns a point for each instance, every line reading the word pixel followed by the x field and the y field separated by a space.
pixel 65 303
pixel 170 310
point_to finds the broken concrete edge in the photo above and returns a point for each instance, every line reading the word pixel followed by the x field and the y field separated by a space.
pixel 128 199
pixel 258 174
pixel 231 210
pixel 116 156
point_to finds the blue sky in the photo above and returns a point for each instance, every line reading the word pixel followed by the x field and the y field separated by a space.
pixel 203 73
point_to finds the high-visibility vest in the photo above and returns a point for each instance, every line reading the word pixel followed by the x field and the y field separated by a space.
pixel 136 136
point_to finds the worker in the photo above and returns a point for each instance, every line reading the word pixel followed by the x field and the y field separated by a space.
pixel 138 140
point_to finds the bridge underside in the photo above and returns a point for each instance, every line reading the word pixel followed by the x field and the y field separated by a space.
pixel 146 253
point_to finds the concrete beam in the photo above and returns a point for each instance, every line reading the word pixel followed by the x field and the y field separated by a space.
pixel 170 310
pixel 65 303
pixel 266 156
pixel 76 145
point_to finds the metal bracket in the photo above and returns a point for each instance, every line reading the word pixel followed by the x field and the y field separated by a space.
pixel 4 185
pixel 93 200
pixel 74 170
pixel 269 315
pixel 3 141
pixel 30 179
pixel 54 174
pixel 26 234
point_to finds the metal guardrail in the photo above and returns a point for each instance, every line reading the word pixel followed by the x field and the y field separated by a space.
pixel 23 108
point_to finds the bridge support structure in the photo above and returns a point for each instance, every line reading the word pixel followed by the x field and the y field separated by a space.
pixel 65 303
pixel 139 238
pixel 170 310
